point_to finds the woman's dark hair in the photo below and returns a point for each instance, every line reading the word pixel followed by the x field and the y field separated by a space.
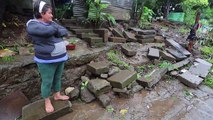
pixel 36 12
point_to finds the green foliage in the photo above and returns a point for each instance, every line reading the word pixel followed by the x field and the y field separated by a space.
pixel 7 59
pixel 209 82
pixel 140 68
pixel 183 30
pixel 165 64
pixel 113 56
pixel 110 109
pixel 62 9
pixel 146 16
pixel 190 7
pixel 207 51
pixel 96 13
pixel 84 84
pixel 72 41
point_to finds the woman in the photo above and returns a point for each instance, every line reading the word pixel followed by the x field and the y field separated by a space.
pixel 50 51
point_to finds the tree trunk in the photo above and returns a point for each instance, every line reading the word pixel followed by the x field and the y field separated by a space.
pixel 166 10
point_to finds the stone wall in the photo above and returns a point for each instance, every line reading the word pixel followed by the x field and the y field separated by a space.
pixel 22 74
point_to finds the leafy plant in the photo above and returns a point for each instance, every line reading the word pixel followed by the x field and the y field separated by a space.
pixel 73 41
pixel 209 82
pixel 7 59
pixel 207 50
pixel 96 13
pixel 110 109
pixel 146 16
pixel 62 9
pixel 165 64
pixel 112 55
pixel 140 68
pixel 84 84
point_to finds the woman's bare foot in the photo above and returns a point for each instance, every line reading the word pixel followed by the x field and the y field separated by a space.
pixel 48 105
pixel 58 96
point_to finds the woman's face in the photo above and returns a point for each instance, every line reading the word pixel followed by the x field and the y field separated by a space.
pixel 47 16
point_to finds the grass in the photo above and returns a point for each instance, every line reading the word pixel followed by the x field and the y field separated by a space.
pixel 164 64
pixel 209 82
pixel 207 50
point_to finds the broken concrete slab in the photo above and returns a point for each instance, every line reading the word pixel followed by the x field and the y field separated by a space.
pixel 117 33
pixel 145 36
pixel 153 78
pixel 179 64
pixel 149 40
pixel 128 50
pixel 129 36
pixel 178 47
pixel 146 32
pixel 200 69
pixel 98 68
pixel 36 110
pixel 102 32
pixel 203 62
pixel 11 106
pixel 136 30
pixel 179 56
pixel 190 79
pixel 99 86
pixel 167 56
pixel 153 53
pixel 117 39
pixel 122 79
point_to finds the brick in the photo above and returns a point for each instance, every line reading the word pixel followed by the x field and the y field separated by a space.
pixel 98 68
pixel 122 79
pixel 153 78
pixel 189 79
pixel 153 53
pixel 178 47
pixel 99 86
pixel 36 111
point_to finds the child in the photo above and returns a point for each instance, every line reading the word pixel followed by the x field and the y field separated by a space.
pixel 192 36
pixel 50 51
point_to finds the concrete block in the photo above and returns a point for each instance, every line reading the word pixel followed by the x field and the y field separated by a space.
pixel 190 79
pixel 128 50
pixel 148 40
pixel 122 79
pixel 178 47
pixel 117 33
pixel 99 86
pixel 129 36
pixel 200 69
pixel 153 53
pixel 146 32
pixel 98 68
pixel 153 78
pixel 117 39
pixel 11 105
pixel 203 62
pixel 167 56
pixel 145 36
pixel 179 64
pixel 36 110
pixel 179 56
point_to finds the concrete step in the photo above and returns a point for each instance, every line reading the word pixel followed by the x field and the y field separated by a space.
pixel 86 35
pixel 36 111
